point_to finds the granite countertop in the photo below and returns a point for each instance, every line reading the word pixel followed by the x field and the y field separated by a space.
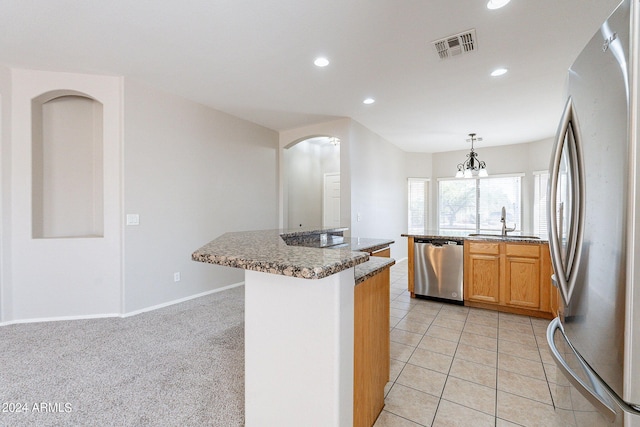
pixel 336 242
pixel 267 251
pixel 367 245
pixel 465 235
pixel 372 267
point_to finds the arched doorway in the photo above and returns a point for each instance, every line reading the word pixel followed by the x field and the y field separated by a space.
pixel 312 184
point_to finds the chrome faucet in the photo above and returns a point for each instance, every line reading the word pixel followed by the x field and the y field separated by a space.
pixel 503 220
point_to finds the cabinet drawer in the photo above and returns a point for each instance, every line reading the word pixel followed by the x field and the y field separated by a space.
pixel 532 251
pixel 484 248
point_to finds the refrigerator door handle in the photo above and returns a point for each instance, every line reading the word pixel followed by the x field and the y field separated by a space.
pixel 566 269
pixel 594 392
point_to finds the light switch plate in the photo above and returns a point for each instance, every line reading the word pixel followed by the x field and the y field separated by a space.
pixel 133 219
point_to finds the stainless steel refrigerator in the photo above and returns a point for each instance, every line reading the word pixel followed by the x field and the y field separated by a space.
pixel 594 225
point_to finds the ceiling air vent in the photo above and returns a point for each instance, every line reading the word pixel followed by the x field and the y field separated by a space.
pixel 456 44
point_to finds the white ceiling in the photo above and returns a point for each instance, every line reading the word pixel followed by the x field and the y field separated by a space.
pixel 254 59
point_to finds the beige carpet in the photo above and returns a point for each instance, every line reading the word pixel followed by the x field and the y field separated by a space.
pixel 178 366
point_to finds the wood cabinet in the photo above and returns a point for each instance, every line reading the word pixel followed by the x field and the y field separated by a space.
pixel 508 276
pixel 522 276
pixel 482 272
pixel 371 348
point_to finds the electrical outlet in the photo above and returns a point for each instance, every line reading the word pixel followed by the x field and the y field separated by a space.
pixel 359 217
pixel 176 276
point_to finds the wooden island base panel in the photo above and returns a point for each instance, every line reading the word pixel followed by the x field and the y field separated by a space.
pixel 510 276
pixel 371 348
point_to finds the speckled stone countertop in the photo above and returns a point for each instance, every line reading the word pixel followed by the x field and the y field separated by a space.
pixel 367 245
pixel 514 237
pixel 372 267
pixel 266 251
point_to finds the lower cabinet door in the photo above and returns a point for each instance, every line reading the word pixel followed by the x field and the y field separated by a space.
pixel 522 282
pixel 483 281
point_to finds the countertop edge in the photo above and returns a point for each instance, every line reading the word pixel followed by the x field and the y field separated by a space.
pixel 512 239
pixel 366 244
pixel 282 268
pixel 372 267
pixel 266 251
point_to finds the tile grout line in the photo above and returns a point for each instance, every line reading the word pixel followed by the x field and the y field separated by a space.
pixel 440 314
pixel 407 362
pixel 450 366
pixel 546 377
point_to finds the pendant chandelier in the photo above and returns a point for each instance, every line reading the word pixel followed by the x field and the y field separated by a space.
pixel 472 166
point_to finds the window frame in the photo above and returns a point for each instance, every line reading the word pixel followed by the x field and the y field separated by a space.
pixel 536 209
pixel 427 211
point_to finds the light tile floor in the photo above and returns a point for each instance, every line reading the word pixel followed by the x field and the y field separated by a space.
pixel 459 366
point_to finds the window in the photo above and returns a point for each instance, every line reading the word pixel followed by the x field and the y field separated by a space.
pixel 475 205
pixel 418 204
pixel 540 181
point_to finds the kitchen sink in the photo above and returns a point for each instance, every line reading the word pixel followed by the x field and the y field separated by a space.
pixel 499 236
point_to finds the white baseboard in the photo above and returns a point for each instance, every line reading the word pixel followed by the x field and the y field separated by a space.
pixel 178 301
pixel 132 313
pixel 60 318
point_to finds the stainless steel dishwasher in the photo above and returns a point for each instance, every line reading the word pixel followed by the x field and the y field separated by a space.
pixel 438 269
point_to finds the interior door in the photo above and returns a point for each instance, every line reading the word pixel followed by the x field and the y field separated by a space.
pixel 331 200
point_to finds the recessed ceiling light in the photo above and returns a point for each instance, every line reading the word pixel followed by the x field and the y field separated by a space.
pixel 369 101
pixel 497 4
pixel 499 72
pixel 321 62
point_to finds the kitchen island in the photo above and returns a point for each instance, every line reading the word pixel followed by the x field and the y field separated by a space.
pixel 302 319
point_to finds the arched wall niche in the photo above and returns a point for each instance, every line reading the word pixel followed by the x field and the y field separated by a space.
pixel 312 182
pixel 67 165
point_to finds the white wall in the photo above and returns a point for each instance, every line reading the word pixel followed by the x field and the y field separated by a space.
pixel 378 189
pixel 418 165
pixel 60 277
pixel 6 294
pixel 192 173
